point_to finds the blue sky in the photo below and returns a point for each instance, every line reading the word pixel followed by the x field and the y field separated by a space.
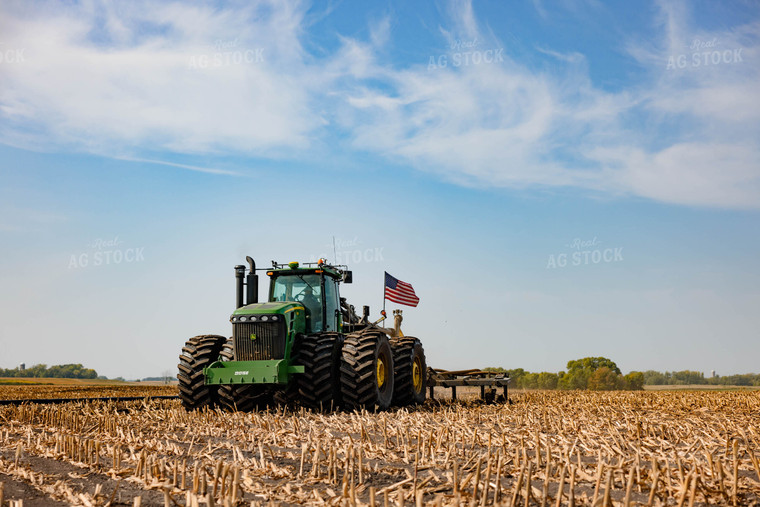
pixel 556 180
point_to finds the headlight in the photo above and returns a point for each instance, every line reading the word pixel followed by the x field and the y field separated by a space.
pixel 264 318
pixel 244 318
pixel 274 317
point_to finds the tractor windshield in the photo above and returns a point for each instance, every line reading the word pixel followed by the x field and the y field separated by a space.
pixel 295 287
pixel 304 289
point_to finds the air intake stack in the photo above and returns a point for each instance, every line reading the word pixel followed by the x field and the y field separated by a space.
pixel 252 283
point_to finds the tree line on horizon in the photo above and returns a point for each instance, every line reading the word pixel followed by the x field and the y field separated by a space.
pixel 67 371
pixel 590 373
pixel 56 371
pixel 602 374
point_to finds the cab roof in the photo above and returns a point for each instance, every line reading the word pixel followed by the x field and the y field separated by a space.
pixel 310 268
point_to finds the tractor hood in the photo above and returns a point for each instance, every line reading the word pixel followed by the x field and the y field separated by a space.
pixel 274 308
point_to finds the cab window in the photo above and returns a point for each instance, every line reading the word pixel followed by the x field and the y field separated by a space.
pixel 294 287
pixel 332 304
pixel 304 289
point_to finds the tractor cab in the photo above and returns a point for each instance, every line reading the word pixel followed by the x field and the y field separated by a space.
pixel 315 287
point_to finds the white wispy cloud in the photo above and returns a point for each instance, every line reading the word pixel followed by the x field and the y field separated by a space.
pixel 689 137
pixel 145 78
pixel 185 78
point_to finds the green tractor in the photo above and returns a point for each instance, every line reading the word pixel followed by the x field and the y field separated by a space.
pixel 304 345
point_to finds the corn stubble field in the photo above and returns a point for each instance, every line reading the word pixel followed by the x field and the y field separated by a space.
pixel 547 448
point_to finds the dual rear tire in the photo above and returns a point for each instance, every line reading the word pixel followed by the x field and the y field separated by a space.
pixel 366 371
pixel 378 372
pixel 410 371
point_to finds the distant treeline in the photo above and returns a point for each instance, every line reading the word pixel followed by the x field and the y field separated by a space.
pixel 687 377
pixel 602 374
pixel 167 378
pixel 56 371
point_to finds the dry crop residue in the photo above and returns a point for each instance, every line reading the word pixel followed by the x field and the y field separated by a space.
pixel 46 391
pixel 548 448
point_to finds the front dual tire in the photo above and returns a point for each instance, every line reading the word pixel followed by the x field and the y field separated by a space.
pixel 198 353
pixel 317 388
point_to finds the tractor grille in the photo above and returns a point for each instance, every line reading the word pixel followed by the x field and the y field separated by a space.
pixel 269 342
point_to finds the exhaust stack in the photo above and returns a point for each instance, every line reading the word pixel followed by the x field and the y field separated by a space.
pixel 239 275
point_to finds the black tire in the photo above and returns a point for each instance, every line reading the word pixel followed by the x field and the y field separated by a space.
pixel 241 397
pixel 245 397
pixel 285 397
pixel 410 371
pixel 198 353
pixel 366 371
pixel 319 386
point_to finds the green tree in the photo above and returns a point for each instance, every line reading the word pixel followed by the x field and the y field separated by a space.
pixel 562 380
pixel 579 371
pixel 604 379
pixel 635 381
pixel 687 377
pixel 38 370
pixel 655 378
pixel 58 371
pixel 529 381
pixel 516 376
pixel 547 380
pixel 576 379
pixel 746 379
pixel 592 364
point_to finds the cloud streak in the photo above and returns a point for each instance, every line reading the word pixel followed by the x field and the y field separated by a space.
pixel 207 170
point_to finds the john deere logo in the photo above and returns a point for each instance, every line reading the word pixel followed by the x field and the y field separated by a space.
pixel 253 336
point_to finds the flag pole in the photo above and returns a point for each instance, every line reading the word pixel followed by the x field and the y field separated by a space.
pixel 384 289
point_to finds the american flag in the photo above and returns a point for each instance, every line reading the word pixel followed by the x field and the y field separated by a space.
pixel 400 292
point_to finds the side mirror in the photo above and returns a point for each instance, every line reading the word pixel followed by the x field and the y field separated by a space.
pixel 348 277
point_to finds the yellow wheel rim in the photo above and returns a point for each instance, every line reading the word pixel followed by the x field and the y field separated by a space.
pixel 380 372
pixel 417 375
